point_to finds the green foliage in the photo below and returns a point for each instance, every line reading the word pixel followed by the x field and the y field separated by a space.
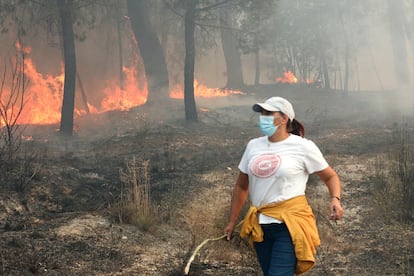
pixel 29 18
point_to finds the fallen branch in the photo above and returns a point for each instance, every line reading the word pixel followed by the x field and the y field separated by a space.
pixel 187 267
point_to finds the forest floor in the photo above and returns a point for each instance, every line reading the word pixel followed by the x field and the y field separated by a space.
pixel 65 221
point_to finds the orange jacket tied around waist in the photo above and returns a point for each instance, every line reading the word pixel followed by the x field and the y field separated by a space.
pixel 297 214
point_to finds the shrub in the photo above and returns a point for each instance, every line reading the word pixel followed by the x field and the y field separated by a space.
pixel 134 206
pixel 17 163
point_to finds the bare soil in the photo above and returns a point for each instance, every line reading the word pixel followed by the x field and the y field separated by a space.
pixel 63 222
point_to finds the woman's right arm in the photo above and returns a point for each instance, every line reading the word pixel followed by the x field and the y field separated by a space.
pixel 240 192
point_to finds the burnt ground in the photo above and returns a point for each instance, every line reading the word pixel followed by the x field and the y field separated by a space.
pixel 64 222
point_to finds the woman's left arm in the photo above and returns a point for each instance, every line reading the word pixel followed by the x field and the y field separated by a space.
pixel 331 180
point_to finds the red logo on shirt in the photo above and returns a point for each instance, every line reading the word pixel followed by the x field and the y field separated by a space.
pixel 265 165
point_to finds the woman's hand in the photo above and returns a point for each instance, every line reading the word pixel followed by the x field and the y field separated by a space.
pixel 228 230
pixel 331 180
pixel 336 210
pixel 240 191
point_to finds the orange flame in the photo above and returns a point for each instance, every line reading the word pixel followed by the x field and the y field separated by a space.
pixel 41 100
pixel 43 97
pixel 200 90
pixel 24 50
pixel 288 77
pixel 124 99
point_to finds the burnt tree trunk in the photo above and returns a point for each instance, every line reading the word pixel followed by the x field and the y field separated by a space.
pixel 325 72
pixel 257 62
pixel 346 75
pixel 189 60
pixel 150 50
pixel 120 52
pixel 231 53
pixel 68 41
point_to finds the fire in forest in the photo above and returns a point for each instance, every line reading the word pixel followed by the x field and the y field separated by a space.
pixel 202 91
pixel 43 96
pixel 287 77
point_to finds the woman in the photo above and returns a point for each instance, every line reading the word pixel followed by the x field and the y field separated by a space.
pixel 274 171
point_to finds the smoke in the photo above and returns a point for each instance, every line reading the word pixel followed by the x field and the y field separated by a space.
pixel 329 26
pixel 318 25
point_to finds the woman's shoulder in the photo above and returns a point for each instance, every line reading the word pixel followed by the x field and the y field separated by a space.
pixel 297 138
pixel 258 140
pixel 301 140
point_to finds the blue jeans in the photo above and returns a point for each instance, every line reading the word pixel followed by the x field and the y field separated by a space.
pixel 276 253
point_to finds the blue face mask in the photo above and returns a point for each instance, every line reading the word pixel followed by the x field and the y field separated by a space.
pixel 266 125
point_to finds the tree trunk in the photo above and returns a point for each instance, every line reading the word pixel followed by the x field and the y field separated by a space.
pixel 68 40
pixel 346 76
pixel 82 90
pixel 151 52
pixel 189 60
pixel 257 71
pixel 231 53
pixel 257 62
pixel 120 52
pixel 325 72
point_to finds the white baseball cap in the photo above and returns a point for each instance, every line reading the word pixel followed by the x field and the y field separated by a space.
pixel 276 104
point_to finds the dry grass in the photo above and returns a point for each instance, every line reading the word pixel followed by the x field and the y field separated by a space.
pixel 333 245
pixel 394 178
pixel 134 206
pixel 207 215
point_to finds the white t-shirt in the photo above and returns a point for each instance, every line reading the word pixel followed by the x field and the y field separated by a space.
pixel 279 171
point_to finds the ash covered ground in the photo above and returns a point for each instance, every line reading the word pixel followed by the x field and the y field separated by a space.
pixel 63 223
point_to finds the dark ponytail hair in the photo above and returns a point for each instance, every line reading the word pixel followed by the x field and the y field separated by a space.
pixel 296 127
